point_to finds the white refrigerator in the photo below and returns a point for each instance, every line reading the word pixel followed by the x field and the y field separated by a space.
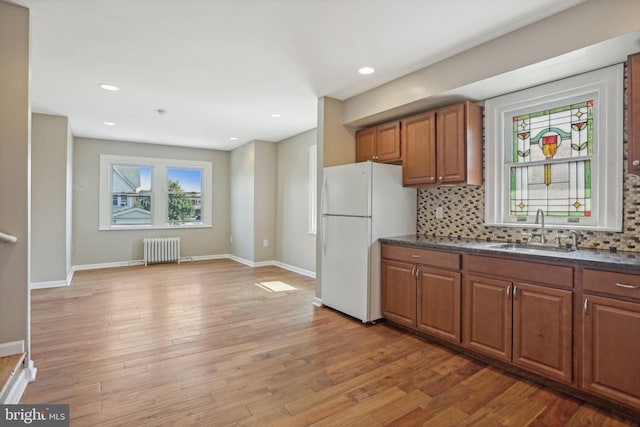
pixel 361 202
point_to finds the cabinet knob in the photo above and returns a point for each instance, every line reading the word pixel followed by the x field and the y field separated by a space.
pixel 432 178
pixel 635 162
pixel 440 178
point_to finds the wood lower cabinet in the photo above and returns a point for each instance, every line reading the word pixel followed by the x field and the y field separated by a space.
pixel 488 316
pixel 379 143
pixel 542 332
pixel 439 303
pixel 526 324
pixel 610 351
pixel 399 292
pixel 421 290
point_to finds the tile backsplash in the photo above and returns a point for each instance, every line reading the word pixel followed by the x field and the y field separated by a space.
pixel 464 218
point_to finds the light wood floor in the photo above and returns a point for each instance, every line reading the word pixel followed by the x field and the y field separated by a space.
pixel 200 344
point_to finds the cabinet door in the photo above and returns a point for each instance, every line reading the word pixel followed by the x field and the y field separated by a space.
pixel 611 349
pixel 439 303
pixel 542 335
pixel 366 144
pixel 451 144
pixel 487 316
pixel 399 292
pixel 633 107
pixel 419 149
pixel 388 139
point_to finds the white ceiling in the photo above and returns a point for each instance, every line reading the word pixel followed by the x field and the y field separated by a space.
pixel 220 68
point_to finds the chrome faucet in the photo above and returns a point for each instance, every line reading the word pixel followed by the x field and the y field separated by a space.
pixel 540 214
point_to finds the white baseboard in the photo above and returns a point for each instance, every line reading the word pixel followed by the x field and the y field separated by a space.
pixel 12 393
pixel 295 269
pixel 11 348
pixel 317 302
pixel 53 283
pixel 246 262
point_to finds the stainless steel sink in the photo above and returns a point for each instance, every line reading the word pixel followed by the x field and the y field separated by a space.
pixel 521 247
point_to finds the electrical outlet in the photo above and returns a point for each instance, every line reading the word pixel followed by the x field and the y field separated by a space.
pixel 439 212
pixel 265 243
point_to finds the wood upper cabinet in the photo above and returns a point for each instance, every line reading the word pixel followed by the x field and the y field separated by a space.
pixel 398 283
pixel 633 112
pixel 610 351
pixel 439 303
pixel 443 146
pixel 379 143
pixel 418 146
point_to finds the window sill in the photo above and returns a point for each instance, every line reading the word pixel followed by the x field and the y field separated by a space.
pixel 150 227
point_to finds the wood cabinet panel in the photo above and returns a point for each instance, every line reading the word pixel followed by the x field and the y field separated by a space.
pixel 379 143
pixel 620 284
pixel 418 148
pixel 366 144
pixel 550 274
pixel 611 349
pixel 443 146
pixel 439 303
pixel 487 314
pixel 422 256
pixel 542 336
pixel 633 112
pixel 398 284
pixel 450 143
pixel 388 137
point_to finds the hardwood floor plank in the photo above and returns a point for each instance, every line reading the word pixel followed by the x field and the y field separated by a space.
pixel 200 344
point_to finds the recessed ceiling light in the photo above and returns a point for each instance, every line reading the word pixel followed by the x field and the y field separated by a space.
pixel 109 124
pixel 366 70
pixel 233 138
pixel 112 88
pixel 276 115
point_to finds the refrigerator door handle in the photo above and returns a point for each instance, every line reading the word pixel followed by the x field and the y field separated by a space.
pixel 322 239
pixel 323 196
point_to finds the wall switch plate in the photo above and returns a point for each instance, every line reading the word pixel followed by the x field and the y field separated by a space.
pixel 265 243
pixel 439 212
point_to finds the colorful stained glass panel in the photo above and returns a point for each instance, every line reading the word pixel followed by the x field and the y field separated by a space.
pixel 551 167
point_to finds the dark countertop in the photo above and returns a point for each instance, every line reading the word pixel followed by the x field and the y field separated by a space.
pixel 616 261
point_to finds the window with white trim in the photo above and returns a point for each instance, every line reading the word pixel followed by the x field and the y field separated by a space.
pixel 313 190
pixel 142 192
pixel 557 147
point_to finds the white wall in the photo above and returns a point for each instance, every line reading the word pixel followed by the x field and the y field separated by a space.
pixel 91 246
pixel 50 206
pixel 15 122
pixel 242 201
pixel 295 246
pixel 265 200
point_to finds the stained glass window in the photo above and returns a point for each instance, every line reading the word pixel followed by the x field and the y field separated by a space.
pixel 551 164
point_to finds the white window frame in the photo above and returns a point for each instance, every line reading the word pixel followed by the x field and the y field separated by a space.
pixel 159 191
pixel 313 190
pixel 605 86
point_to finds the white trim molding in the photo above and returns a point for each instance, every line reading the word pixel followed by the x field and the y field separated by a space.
pixel 11 348
pixel 605 87
pixel 53 283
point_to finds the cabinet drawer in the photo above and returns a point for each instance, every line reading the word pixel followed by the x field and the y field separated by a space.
pixel 626 285
pixel 422 256
pixel 526 271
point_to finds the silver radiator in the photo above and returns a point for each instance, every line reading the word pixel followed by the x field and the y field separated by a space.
pixel 161 249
